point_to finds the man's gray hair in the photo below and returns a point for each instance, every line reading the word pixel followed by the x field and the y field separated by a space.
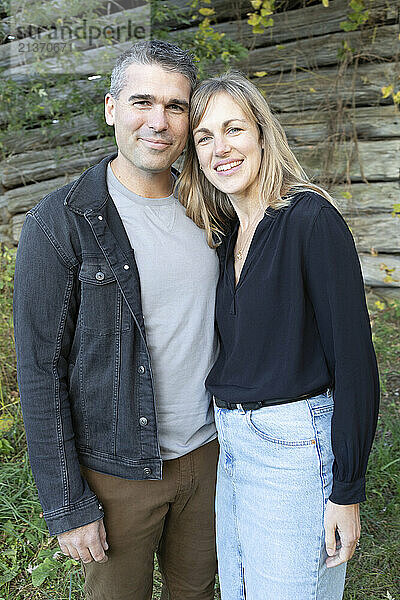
pixel 153 52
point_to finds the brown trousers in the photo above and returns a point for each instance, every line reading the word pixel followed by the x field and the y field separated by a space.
pixel 172 517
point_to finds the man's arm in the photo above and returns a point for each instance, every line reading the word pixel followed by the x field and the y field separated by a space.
pixel 45 309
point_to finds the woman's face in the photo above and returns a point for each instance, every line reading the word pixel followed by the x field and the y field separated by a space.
pixel 228 147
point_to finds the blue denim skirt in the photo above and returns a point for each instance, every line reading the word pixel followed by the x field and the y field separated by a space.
pixel 274 479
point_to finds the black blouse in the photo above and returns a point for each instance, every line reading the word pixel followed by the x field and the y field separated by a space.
pixel 297 321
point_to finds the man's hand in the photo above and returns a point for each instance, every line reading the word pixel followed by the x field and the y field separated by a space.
pixel 346 520
pixel 86 543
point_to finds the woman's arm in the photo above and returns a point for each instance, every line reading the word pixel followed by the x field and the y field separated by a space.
pixel 336 290
pixel 335 287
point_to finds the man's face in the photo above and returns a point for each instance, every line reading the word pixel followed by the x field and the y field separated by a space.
pixel 151 117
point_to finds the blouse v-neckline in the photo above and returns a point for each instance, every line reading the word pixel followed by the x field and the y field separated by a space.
pixel 230 259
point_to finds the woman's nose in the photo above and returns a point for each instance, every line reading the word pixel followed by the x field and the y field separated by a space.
pixel 221 147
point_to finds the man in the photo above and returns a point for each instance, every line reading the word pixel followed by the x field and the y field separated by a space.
pixel 114 329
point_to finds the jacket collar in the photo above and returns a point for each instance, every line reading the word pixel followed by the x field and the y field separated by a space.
pixel 89 193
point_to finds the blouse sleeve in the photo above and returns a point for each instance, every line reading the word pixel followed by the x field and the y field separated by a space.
pixel 336 290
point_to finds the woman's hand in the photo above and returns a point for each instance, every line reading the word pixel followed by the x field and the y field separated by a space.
pixel 346 520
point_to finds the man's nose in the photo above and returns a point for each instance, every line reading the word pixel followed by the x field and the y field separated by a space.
pixel 157 119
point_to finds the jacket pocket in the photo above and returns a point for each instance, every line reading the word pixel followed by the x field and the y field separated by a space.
pixel 103 309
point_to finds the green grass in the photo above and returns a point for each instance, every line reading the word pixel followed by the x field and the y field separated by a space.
pixel 25 544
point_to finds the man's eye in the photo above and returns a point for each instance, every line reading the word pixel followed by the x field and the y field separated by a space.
pixel 176 107
pixel 141 103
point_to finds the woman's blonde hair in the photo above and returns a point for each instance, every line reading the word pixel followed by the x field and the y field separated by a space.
pixel 280 171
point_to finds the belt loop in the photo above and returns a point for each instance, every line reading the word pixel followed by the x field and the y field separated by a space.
pixel 240 409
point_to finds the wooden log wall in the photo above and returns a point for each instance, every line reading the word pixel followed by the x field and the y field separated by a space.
pixel 339 125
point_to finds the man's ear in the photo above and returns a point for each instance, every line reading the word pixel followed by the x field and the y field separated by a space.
pixel 109 109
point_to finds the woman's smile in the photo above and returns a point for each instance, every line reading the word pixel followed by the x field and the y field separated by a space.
pixel 226 168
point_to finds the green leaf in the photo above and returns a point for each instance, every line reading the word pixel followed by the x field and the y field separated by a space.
pixel 258 29
pixel 387 91
pixel 206 12
pixel 346 26
pixel 254 19
pixel 46 569
pixel 8 576
pixel 266 22
pixel 265 12
pixel 6 422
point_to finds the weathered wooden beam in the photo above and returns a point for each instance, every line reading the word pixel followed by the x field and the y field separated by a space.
pixel 11 55
pixel 322 51
pixel 64 131
pixel 63 92
pixel 21 199
pixel 288 26
pixel 16 225
pixel 383 293
pixel 5 237
pixel 18 58
pixel 308 53
pixel 224 11
pixel 373 161
pixel 4 212
pixel 32 166
pixel 380 232
pixel 62 10
pixel 306 22
pixel 366 198
pixel 91 62
pixel 329 87
pixel 367 123
pixel 382 270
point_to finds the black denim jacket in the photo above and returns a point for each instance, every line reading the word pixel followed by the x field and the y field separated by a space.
pixel 83 364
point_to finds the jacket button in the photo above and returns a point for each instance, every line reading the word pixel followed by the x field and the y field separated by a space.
pixel 100 507
pixel 126 267
pixel 143 421
pixel 141 369
pixel 147 471
pixel 100 218
pixel 99 276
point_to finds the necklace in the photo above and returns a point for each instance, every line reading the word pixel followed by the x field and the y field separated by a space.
pixel 241 251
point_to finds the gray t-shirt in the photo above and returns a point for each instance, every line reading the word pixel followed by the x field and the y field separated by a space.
pixel 178 277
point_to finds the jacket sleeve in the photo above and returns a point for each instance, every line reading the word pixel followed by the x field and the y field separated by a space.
pixel 45 308
pixel 335 287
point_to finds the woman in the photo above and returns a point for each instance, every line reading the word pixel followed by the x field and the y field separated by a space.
pixel 296 368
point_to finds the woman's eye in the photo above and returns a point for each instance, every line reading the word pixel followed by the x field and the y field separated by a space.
pixel 206 137
pixel 233 129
